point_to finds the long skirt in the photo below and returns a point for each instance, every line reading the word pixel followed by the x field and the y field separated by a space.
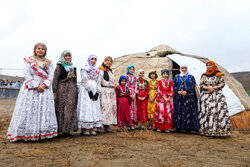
pixel 142 111
pixel 66 103
pixel 185 113
pixel 163 116
pixel 213 114
pixel 108 106
pixel 34 116
pixel 123 112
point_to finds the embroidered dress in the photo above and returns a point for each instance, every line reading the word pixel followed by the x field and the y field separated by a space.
pixel 152 92
pixel 34 115
pixel 123 110
pixel 132 86
pixel 65 87
pixel 163 116
pixel 108 99
pixel 89 111
pixel 213 112
pixel 142 105
pixel 185 107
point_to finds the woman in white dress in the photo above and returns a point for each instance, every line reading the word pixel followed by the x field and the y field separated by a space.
pixel 88 109
pixel 34 115
pixel 108 95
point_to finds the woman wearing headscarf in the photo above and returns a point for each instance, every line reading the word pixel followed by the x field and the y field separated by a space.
pixel 89 111
pixel 108 95
pixel 163 115
pixel 213 111
pixel 65 94
pixel 132 87
pixel 152 94
pixel 34 114
pixel 185 106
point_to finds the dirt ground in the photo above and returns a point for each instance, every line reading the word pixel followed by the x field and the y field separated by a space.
pixel 123 149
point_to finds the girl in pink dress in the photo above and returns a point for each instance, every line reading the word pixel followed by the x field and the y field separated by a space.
pixel 132 87
pixel 163 116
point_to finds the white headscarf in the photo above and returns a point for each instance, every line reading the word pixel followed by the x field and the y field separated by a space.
pixel 140 70
pixel 182 73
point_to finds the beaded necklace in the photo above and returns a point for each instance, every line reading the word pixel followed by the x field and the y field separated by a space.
pixel 144 83
pixel 123 92
pixel 133 80
pixel 163 85
pixel 210 80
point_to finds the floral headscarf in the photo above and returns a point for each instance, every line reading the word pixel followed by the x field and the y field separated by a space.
pixel 91 70
pixel 62 60
pixel 214 71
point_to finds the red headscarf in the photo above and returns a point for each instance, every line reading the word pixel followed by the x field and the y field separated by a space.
pixel 214 71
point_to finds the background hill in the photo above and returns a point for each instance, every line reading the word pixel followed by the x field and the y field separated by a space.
pixel 244 78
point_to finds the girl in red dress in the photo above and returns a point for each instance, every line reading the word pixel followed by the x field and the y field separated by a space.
pixel 163 116
pixel 142 101
pixel 123 101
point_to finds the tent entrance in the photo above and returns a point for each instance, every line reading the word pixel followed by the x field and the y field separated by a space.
pixel 175 69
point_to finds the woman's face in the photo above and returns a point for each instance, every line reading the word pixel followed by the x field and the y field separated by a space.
pixel 67 57
pixel 131 70
pixel 184 69
pixel 209 67
pixel 108 62
pixel 123 82
pixel 141 75
pixel 165 75
pixel 152 76
pixel 40 51
pixel 93 61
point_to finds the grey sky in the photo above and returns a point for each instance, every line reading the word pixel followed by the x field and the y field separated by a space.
pixel 216 29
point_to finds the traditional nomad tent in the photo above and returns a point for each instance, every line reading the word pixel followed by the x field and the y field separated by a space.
pixel 164 56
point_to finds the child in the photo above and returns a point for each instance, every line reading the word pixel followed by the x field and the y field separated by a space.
pixel 123 101
pixel 152 94
pixel 132 87
pixel 142 99
pixel 163 117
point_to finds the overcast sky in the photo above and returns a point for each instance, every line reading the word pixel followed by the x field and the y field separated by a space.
pixel 216 29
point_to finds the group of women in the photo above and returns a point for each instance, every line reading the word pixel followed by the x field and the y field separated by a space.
pixel 50 103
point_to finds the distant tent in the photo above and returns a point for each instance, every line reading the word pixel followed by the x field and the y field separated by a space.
pixel 164 56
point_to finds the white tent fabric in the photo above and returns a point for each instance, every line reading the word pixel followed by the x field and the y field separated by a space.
pixel 196 68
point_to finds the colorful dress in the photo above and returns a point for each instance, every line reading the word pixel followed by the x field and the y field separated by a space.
pixel 185 107
pixel 142 86
pixel 65 87
pixel 163 116
pixel 132 86
pixel 108 98
pixel 152 92
pixel 89 111
pixel 123 109
pixel 213 112
pixel 34 114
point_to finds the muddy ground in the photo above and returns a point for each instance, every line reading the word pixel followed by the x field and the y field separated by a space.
pixel 137 148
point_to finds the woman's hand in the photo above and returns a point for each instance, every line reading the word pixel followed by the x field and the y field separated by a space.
pixel 184 93
pixel 41 88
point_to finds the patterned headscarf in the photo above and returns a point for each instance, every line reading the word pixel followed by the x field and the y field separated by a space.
pixel 122 77
pixel 88 66
pixel 128 68
pixel 182 74
pixel 214 71
pixel 104 67
pixel 164 70
pixel 44 47
pixel 62 60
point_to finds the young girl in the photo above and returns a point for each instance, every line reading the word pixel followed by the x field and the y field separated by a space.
pixel 123 100
pixel 163 117
pixel 132 87
pixel 152 93
pixel 142 99
pixel 88 109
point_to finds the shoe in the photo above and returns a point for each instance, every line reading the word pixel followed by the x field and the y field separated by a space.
pixel 108 129
pixel 158 130
pixel 143 127
pixel 166 131
pixel 92 132
pixel 100 130
pixel 86 133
